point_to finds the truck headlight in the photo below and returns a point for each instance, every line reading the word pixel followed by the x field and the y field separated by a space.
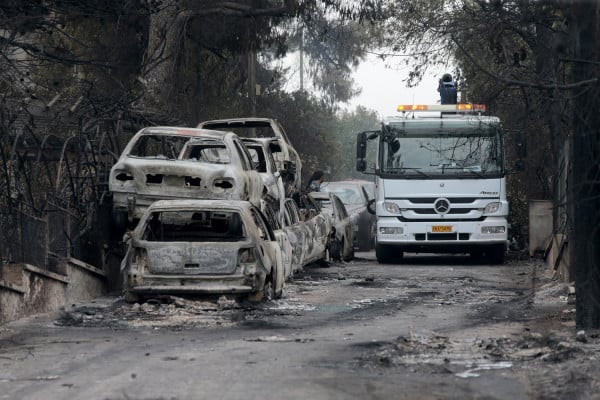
pixel 492 207
pixel 493 229
pixel 391 208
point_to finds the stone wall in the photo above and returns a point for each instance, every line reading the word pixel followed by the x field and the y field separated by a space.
pixel 27 290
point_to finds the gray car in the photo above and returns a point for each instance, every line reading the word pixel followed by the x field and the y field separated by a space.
pixel 354 195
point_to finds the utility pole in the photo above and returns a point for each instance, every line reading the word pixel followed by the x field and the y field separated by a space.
pixel 252 81
pixel 584 179
pixel 302 59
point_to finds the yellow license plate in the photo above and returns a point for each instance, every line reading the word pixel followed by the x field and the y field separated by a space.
pixel 441 228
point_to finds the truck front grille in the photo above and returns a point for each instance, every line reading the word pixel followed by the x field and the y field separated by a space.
pixel 441 236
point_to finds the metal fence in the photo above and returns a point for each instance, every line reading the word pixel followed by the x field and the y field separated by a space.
pixel 54 171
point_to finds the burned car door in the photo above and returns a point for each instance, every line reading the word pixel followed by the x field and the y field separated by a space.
pixel 298 233
pixel 262 157
pixel 271 247
pixel 320 226
pixel 282 238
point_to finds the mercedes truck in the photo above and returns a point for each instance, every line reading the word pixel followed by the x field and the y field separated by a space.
pixel 440 182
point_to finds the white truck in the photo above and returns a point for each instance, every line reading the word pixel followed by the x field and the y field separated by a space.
pixel 440 182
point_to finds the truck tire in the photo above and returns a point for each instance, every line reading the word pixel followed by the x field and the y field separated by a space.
pixel 365 243
pixel 387 254
pixel 495 254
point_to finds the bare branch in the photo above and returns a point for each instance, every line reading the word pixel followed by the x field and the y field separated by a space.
pixel 514 82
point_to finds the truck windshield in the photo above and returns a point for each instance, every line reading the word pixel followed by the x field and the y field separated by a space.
pixel 435 153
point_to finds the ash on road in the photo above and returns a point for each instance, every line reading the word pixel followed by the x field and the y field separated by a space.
pixel 430 328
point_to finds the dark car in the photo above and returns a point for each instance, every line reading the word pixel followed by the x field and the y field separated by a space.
pixel 355 196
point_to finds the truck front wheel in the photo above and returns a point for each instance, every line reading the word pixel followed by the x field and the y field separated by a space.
pixel 386 254
pixel 495 254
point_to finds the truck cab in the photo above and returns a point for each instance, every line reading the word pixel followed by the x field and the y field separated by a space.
pixel 440 182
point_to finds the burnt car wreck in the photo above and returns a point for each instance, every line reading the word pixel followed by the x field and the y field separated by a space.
pixel 161 163
pixel 202 247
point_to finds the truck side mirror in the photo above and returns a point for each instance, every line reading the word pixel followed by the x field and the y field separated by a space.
pixel 361 145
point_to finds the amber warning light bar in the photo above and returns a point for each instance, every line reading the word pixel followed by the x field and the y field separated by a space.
pixel 442 107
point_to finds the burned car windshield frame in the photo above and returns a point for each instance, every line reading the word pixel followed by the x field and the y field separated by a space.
pixel 205 225
pixel 208 151
pixel 160 146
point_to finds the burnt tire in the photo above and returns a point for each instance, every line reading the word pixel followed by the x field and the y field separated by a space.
pixel 335 250
pixel 350 256
pixel 365 243
pixel 495 254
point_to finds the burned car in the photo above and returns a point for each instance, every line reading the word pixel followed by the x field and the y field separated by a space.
pixel 318 229
pixel 158 163
pixel 202 247
pixel 354 195
pixel 287 158
pixel 341 237
pixel 261 151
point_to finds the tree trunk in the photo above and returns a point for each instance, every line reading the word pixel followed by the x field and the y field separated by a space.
pixel 160 66
pixel 585 171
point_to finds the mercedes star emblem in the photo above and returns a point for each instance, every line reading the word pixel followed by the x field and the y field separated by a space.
pixel 442 206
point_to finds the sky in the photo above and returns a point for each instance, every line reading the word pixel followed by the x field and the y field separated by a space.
pixel 384 88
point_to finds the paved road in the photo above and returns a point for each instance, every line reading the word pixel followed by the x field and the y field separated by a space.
pixel 431 328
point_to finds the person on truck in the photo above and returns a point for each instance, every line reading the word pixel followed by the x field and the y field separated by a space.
pixel 447 89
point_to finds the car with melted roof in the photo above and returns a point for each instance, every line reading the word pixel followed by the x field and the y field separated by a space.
pixel 287 158
pixel 202 247
pixel 161 163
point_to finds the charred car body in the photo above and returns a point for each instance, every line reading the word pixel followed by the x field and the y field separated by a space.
pixel 158 163
pixel 341 237
pixel 283 239
pixel 318 228
pixel 286 156
pixel 202 247
pixel 298 232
